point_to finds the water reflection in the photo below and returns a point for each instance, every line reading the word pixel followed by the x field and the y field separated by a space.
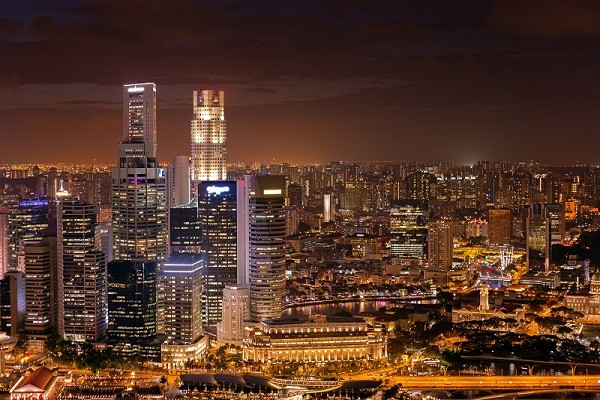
pixel 354 308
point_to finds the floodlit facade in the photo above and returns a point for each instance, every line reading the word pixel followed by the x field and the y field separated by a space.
pixel 208 136
pixel 318 339
pixel 236 310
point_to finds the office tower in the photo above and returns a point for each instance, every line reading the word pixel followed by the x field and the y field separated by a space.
pixel 537 238
pixel 236 310
pixel 81 273
pixel 12 303
pixel 294 194
pixel 556 215
pixel 139 198
pixel 4 242
pixel 183 290
pixel 209 137
pixel 439 246
pixel 328 207
pixel 408 228
pixel 40 265
pixel 139 212
pixel 28 222
pixel 500 225
pixel 184 227
pixel 266 245
pixel 217 213
pixel 243 220
pixel 179 181
pixel 131 304
pixel 139 116
pixel 545 226
pixel 106 239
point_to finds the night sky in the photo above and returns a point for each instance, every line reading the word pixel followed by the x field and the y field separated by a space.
pixel 307 81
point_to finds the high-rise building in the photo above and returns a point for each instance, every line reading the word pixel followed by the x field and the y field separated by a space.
pixel 184 227
pixel 139 116
pixel 266 239
pixel 40 314
pixel 439 246
pixel 328 207
pixel 81 273
pixel 500 226
pixel 408 228
pixel 236 310
pixel 545 226
pixel 12 303
pixel 183 289
pixel 28 222
pixel 217 213
pixel 139 195
pixel 209 137
pixel 131 304
pixel 4 242
pixel 179 181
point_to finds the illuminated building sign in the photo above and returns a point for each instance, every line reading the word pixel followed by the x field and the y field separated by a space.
pixel 137 181
pixel 135 89
pixel 271 191
pixel 217 189
pixel 33 202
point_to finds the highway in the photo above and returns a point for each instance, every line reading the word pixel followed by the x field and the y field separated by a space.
pixel 496 382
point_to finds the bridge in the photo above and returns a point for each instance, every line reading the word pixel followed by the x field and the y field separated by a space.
pixel 494 382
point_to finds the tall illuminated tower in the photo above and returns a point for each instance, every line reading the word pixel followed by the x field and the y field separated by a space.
pixel 217 214
pixel 209 137
pixel 139 185
pixel 139 115
pixel 81 273
pixel 266 246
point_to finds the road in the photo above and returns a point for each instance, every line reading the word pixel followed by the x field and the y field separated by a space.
pixel 496 382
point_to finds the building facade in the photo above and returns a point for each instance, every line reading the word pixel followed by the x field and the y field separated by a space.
pixel 217 214
pixel 319 339
pixel 208 136
pixel 266 239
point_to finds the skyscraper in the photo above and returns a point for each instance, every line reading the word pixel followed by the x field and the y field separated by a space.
pixel 28 222
pixel 139 115
pixel 40 265
pixel 500 225
pixel 179 181
pixel 266 238
pixel 139 198
pixel 131 305
pixel 217 214
pixel 81 273
pixel 183 288
pixel 439 246
pixel 408 228
pixel 209 137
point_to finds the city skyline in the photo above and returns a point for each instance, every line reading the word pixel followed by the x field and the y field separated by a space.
pixel 461 81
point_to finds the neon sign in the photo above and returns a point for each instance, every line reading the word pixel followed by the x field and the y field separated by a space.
pixel 217 189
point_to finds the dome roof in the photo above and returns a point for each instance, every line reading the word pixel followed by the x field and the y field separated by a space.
pixel 596 277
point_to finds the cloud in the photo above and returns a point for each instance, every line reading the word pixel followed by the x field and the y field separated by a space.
pixel 261 90
pixel 547 18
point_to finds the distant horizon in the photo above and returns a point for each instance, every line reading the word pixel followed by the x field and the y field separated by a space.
pixel 400 80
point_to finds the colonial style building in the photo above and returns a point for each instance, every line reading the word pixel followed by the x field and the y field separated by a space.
pixel 316 339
